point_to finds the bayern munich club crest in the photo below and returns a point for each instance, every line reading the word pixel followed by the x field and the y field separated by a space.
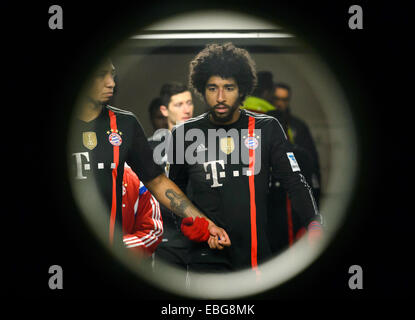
pixel 115 137
pixel 251 143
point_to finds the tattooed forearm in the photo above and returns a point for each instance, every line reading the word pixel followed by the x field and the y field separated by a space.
pixel 179 203
pixel 170 195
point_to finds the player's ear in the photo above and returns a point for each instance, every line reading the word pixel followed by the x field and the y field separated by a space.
pixel 164 111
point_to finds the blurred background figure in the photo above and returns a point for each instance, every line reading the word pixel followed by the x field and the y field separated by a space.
pixel 261 98
pixel 297 131
pixel 158 120
pixel 287 226
pixel 284 223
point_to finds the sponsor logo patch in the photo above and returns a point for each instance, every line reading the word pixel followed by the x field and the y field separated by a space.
pixel 293 162
pixel 227 145
pixel 89 140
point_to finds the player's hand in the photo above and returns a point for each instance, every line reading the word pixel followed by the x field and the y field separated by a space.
pixel 218 237
pixel 202 229
pixel 214 243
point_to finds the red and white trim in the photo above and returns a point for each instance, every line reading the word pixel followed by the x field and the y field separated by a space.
pixel 154 235
pixel 116 157
pixel 254 240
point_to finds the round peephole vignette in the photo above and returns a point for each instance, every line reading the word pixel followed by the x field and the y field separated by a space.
pixel 333 126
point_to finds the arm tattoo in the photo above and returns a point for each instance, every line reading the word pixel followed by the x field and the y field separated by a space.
pixel 178 202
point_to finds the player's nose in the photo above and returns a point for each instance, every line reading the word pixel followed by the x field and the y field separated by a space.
pixel 221 95
pixel 109 81
pixel 187 109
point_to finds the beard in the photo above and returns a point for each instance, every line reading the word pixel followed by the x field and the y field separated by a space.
pixel 226 117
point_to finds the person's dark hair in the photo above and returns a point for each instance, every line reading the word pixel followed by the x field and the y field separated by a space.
pixel 226 61
pixel 283 86
pixel 264 83
pixel 171 89
pixel 154 107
